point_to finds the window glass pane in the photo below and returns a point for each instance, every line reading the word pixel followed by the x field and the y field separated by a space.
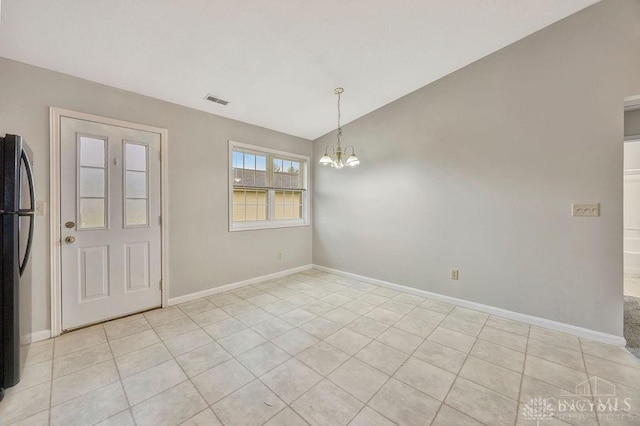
pixel 252 197
pixel 261 178
pixel 92 182
pixel 256 212
pixel 249 169
pixel 248 177
pixel 237 176
pixel 136 157
pixel 279 212
pixel 286 181
pixel 288 212
pixel 296 179
pixel 277 179
pixel 283 180
pixel 91 152
pixel 252 211
pixel 92 213
pixel 237 159
pixel 238 205
pixel 136 212
pixel 262 212
pixel 136 184
pixel 249 161
pixel 238 196
pixel 249 205
pixel 286 173
pixel 238 213
pixel 288 205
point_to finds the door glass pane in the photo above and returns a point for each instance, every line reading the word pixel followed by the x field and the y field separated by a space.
pixel 136 157
pixel 91 152
pixel 91 182
pixel 136 184
pixel 92 213
pixel 136 213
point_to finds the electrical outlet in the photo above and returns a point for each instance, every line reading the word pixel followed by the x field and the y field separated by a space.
pixel 279 255
pixel 454 274
pixel 585 210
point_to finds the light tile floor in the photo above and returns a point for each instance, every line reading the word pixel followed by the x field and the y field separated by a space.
pixel 314 348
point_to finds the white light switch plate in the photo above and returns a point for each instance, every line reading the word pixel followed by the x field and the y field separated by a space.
pixel 585 210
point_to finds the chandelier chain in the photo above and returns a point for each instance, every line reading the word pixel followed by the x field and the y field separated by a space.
pixel 339 115
pixel 339 157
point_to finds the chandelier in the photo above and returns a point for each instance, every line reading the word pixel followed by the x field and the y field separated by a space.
pixel 339 157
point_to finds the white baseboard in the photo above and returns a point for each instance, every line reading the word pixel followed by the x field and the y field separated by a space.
pixel 232 286
pixel 40 335
pixel 529 319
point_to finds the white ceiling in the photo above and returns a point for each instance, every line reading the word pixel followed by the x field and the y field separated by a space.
pixel 276 61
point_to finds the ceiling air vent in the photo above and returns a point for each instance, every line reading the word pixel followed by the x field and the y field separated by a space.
pixel 216 100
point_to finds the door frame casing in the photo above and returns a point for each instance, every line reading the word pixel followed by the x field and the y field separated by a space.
pixel 55 242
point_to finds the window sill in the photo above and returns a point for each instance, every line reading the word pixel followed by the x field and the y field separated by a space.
pixel 260 226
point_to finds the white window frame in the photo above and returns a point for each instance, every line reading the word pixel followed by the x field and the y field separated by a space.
pixel 270 223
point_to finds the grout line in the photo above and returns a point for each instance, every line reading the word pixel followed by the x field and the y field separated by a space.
pixel 524 363
pixel 283 284
pixel 325 377
pixel 460 369
pixel 584 363
pixel 389 376
pixel 126 397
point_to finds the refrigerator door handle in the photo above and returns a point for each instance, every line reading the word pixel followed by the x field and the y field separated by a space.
pixel 32 193
pixel 30 212
pixel 27 252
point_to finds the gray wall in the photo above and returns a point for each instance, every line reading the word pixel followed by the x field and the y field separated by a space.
pixel 632 123
pixel 478 170
pixel 203 254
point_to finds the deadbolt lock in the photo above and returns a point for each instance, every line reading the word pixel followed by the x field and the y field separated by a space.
pixel 70 239
pixel 69 225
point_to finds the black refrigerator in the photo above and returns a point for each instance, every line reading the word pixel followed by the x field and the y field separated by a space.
pixel 17 210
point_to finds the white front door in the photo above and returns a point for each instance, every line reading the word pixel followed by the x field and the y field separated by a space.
pixel 110 221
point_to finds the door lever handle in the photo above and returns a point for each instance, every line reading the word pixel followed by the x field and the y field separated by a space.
pixel 70 239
